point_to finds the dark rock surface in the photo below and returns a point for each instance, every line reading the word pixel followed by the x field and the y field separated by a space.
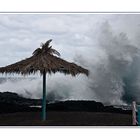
pixel 12 102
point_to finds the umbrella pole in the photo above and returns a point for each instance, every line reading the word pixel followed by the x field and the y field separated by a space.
pixel 44 97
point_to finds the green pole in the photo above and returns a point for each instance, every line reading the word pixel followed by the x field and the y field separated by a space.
pixel 44 97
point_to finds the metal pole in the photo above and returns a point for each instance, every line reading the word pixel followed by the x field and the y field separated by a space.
pixel 134 120
pixel 44 97
pixel 138 121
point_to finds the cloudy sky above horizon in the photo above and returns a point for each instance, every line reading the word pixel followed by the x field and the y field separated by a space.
pixel 21 34
pixel 107 44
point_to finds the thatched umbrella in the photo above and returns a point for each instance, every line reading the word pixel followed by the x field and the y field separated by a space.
pixel 44 61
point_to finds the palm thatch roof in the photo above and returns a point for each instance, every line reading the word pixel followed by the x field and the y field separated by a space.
pixel 43 59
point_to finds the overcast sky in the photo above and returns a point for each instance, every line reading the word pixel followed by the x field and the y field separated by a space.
pixel 21 34
pixel 103 43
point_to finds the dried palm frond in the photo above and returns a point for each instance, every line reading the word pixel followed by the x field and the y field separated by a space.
pixel 37 51
pixel 46 49
pixel 47 43
pixel 53 51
